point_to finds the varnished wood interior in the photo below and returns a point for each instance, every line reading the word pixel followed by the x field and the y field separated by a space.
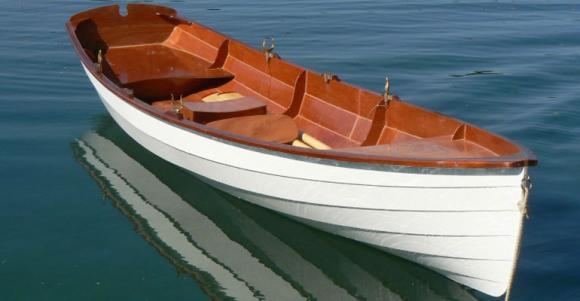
pixel 151 55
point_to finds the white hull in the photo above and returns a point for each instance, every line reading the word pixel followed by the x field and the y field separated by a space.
pixel 465 226
pixel 238 270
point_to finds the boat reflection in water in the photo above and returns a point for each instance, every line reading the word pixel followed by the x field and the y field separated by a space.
pixel 237 250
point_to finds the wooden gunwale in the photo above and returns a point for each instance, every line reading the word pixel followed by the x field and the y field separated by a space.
pixel 522 157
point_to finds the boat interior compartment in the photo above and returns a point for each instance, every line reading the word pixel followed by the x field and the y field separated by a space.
pixel 171 64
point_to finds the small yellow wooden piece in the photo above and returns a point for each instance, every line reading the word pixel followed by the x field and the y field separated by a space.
pixel 313 142
pixel 216 97
pixel 299 143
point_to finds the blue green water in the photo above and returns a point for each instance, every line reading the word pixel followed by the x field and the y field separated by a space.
pixel 66 233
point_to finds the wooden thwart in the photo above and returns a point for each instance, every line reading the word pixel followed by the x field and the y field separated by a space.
pixel 204 112
pixel 272 128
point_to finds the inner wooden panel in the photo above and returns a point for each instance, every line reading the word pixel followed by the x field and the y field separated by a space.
pixel 104 27
pixel 183 38
pixel 339 113
pixel 273 80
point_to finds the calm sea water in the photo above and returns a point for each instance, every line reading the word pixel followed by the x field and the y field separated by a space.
pixel 72 228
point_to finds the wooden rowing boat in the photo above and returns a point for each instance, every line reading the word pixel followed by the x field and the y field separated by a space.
pixel 370 167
